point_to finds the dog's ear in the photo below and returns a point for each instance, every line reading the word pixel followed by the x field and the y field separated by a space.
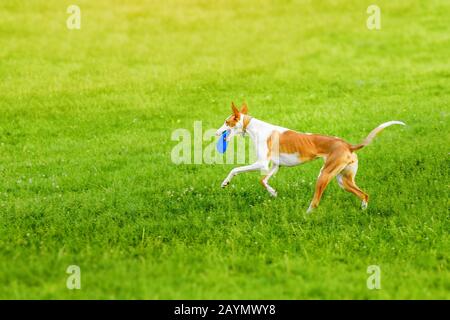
pixel 244 108
pixel 235 110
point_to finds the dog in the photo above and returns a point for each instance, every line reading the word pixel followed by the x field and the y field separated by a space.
pixel 284 147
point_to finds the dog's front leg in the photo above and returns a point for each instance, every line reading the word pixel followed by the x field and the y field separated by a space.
pixel 252 167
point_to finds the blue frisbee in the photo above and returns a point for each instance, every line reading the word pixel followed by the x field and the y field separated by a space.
pixel 222 142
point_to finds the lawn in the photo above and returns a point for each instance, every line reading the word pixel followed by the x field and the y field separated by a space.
pixel 87 179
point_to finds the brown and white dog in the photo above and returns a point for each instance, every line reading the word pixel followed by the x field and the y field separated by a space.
pixel 284 147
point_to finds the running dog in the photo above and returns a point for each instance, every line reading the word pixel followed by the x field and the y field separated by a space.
pixel 285 147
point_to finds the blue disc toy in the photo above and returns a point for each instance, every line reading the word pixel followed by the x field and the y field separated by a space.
pixel 222 142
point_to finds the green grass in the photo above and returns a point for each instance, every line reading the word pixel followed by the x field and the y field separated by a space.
pixel 86 176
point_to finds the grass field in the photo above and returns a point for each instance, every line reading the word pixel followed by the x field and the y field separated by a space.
pixel 86 176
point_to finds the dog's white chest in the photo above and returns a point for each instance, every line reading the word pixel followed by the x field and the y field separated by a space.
pixel 287 159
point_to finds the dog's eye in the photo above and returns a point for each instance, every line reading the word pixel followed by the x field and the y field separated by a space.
pixel 231 122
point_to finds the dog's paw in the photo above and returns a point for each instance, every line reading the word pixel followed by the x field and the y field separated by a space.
pixel 364 205
pixel 225 183
pixel 310 210
pixel 272 192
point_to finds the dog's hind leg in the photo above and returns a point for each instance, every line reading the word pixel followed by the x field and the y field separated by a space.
pixel 265 180
pixel 333 165
pixel 346 180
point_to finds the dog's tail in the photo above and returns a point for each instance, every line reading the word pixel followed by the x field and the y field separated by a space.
pixel 373 134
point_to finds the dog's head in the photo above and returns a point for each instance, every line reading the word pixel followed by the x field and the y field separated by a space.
pixel 234 124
